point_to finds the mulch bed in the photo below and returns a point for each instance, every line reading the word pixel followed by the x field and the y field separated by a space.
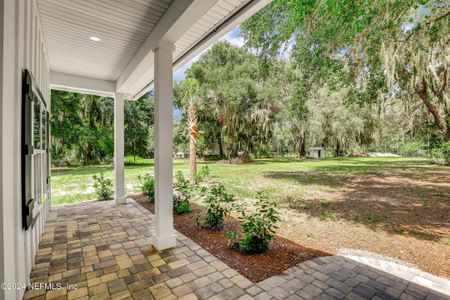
pixel 283 253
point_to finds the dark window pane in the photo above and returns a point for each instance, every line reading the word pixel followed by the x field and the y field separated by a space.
pixel 37 123
pixel 44 127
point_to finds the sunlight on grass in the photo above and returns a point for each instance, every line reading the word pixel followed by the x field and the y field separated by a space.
pixel 284 180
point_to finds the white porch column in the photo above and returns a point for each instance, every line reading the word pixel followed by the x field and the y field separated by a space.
pixel 164 236
pixel 119 186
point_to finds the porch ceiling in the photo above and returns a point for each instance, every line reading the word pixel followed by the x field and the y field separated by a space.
pixel 128 31
pixel 122 26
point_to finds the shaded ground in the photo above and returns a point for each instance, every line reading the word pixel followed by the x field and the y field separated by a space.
pixel 283 253
pixel 331 236
pixel 401 202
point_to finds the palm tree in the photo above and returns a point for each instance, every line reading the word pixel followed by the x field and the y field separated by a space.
pixel 191 97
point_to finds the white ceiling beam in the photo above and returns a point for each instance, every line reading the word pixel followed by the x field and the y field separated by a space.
pixel 179 17
pixel 214 34
pixel 80 84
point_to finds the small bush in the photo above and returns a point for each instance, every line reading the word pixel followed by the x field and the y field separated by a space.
pixel 147 183
pixel 441 155
pixel 218 206
pixel 414 148
pixel 182 195
pixel 103 187
pixel 258 227
pixel 182 208
pixel 203 173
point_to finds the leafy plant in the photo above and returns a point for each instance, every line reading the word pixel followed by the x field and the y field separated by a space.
pixel 441 155
pixel 258 227
pixel 182 195
pixel 218 206
pixel 203 173
pixel 103 187
pixel 183 207
pixel 147 183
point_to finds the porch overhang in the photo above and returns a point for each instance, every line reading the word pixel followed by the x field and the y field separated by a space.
pixel 212 35
pixel 94 68
pixel 81 84
pixel 122 49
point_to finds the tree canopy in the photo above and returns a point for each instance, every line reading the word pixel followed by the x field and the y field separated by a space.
pixel 385 55
pixel 351 76
pixel 239 99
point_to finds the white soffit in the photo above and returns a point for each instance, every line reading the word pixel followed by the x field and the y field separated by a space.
pixel 219 12
pixel 219 20
pixel 128 31
pixel 215 15
pixel 121 25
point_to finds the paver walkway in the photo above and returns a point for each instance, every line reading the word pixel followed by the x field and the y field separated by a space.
pixel 104 250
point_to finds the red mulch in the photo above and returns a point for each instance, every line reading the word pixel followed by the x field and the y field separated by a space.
pixel 283 253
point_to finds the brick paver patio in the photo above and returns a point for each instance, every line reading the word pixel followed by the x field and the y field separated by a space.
pixel 104 250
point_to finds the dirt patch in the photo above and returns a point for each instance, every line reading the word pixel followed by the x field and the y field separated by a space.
pixel 283 253
pixel 334 235
pixel 402 202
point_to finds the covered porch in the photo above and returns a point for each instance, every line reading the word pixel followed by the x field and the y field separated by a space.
pixel 128 50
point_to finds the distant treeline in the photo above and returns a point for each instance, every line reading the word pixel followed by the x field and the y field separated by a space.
pixel 82 128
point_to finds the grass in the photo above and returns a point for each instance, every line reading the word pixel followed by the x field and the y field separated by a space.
pixel 397 195
pixel 284 180
pixel 328 216
pixel 369 218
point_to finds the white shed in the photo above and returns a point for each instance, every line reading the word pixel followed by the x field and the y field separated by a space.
pixel 180 154
pixel 316 152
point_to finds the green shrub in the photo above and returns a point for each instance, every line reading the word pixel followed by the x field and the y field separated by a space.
pixel 258 227
pixel 147 183
pixel 414 148
pixel 218 205
pixel 203 173
pixel 441 155
pixel 103 187
pixel 182 195
pixel 182 208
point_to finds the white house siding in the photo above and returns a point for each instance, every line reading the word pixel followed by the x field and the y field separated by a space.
pixel 22 45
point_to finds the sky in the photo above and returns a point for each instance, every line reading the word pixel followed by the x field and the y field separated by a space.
pixel 233 37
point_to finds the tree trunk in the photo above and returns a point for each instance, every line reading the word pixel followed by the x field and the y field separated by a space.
pixel 193 134
pixel 85 156
pixel 441 123
pixel 302 145
pixel 134 153
pixel 219 141
pixel 339 151
pixel 192 161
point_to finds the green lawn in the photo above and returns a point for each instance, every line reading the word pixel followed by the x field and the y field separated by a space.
pixel 282 179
